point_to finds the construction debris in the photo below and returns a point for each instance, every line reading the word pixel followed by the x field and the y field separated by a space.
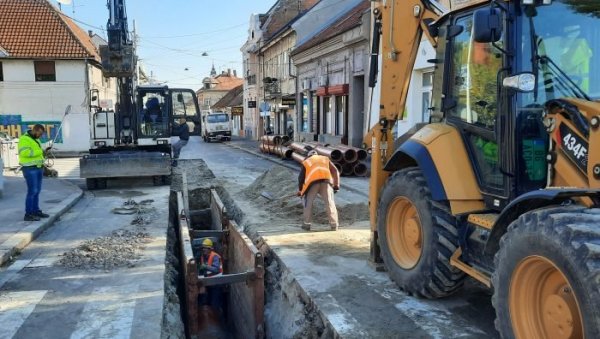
pixel 120 249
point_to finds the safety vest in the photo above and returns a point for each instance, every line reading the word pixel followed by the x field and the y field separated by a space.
pixel 211 260
pixel 316 169
pixel 30 151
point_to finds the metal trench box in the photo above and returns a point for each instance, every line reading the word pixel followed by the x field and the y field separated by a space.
pixel 243 271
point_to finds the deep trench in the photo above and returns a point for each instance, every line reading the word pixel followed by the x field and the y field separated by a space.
pixel 289 312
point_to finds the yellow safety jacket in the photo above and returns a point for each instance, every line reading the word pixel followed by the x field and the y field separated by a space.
pixel 316 169
pixel 30 151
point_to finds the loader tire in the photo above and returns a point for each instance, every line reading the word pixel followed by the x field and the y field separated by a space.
pixel 546 283
pixel 417 237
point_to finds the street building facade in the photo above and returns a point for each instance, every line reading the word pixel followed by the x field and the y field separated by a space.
pixel 331 57
pixel 215 87
pixel 251 72
pixel 47 63
pixel 270 73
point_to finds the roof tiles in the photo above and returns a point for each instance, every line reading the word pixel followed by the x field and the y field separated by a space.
pixel 36 29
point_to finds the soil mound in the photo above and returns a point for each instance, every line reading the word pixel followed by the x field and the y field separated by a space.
pixel 275 192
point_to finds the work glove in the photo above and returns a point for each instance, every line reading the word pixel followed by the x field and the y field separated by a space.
pixel 336 189
pixel 203 268
pixel 299 193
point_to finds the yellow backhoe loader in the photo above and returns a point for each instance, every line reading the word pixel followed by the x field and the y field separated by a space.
pixel 503 184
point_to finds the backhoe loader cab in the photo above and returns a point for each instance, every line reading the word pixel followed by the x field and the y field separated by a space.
pixel 503 185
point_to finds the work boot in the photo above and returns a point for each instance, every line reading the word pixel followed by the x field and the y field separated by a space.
pixel 31 217
pixel 334 227
pixel 41 214
pixel 306 227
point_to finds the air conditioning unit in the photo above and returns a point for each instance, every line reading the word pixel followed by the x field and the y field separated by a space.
pixel 306 84
pixel 323 81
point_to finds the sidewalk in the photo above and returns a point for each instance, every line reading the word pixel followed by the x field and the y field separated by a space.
pixel 15 234
pixel 354 184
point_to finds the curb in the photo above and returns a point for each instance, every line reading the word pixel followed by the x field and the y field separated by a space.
pixel 284 164
pixel 21 239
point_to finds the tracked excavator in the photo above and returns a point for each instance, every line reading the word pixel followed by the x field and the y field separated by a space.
pixel 503 184
pixel 134 140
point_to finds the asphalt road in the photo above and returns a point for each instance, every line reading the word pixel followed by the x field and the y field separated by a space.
pixel 41 299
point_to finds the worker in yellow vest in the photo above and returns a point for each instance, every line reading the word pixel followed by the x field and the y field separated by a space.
pixel 318 176
pixel 31 159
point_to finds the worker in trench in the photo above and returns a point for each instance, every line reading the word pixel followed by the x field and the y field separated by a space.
pixel 318 176
pixel 210 264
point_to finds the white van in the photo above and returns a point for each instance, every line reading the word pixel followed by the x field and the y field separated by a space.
pixel 216 126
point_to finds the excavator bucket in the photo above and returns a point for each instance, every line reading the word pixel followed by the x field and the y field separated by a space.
pixel 125 164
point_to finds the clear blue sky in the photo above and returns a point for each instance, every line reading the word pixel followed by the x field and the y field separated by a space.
pixel 175 33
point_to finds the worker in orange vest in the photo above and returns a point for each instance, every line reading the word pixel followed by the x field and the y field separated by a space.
pixel 318 176
pixel 210 261
pixel 210 265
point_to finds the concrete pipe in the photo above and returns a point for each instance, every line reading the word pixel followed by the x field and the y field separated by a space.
pixel 334 154
pixel 360 170
pixel 362 154
pixel 298 157
pixel 338 166
pixel 284 139
pixel 347 169
pixel 299 147
pixel 287 152
pixel 274 139
pixel 350 155
pixel 264 148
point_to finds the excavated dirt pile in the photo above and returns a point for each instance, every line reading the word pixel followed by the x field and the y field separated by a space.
pixel 280 185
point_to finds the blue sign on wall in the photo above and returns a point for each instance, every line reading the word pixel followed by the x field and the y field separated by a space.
pixel 13 125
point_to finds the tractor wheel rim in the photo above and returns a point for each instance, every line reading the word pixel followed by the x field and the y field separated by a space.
pixel 542 302
pixel 404 233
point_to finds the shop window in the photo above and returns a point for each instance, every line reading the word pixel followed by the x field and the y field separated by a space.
pixel 340 117
pixel 304 113
pixel 327 122
pixel 315 114
pixel 44 71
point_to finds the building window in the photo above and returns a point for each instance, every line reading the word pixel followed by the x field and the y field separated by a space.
pixel 426 88
pixel 207 102
pixel 1 73
pixel 44 71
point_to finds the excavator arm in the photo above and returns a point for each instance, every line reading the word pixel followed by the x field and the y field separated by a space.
pixel 401 25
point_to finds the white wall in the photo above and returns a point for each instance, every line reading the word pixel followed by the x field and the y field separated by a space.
pixel 45 102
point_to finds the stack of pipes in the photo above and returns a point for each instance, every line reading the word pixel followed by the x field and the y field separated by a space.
pixel 274 144
pixel 350 161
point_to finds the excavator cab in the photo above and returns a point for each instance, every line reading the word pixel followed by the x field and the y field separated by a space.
pixel 503 184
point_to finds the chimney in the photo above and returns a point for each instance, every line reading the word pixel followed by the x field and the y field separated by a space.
pixel 90 33
pixel 234 73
